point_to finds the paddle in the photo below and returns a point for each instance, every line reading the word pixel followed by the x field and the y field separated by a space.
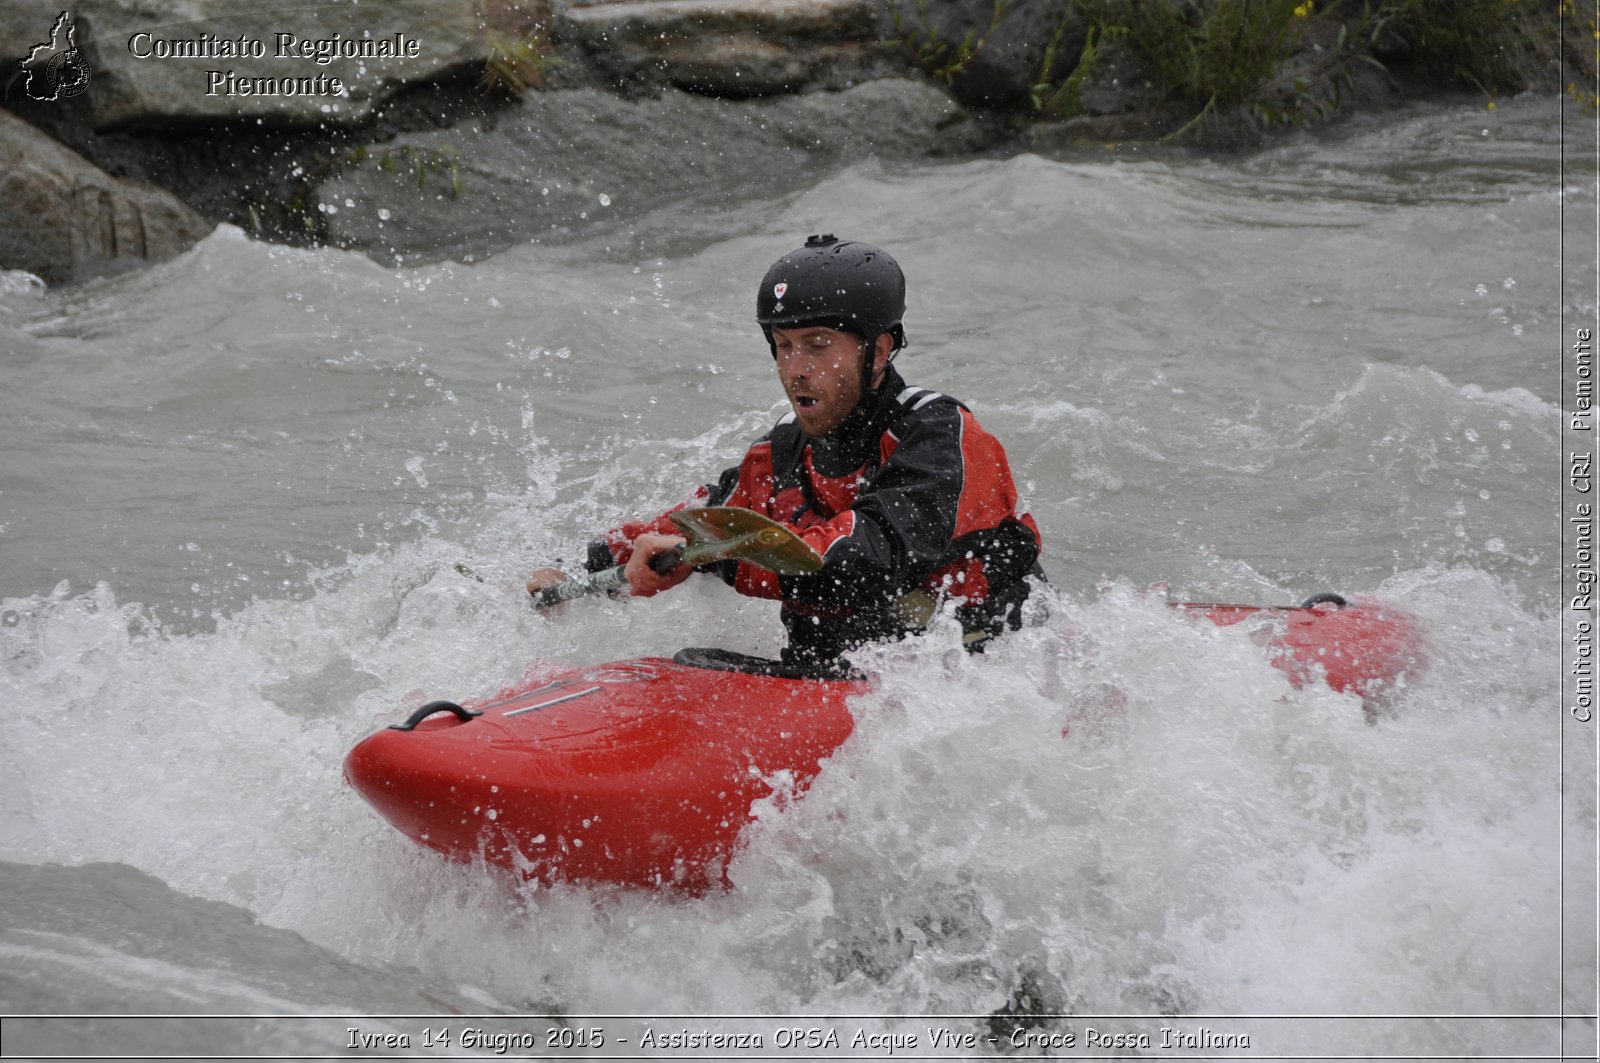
pixel 714 533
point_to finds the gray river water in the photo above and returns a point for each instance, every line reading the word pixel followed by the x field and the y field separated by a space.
pixel 236 487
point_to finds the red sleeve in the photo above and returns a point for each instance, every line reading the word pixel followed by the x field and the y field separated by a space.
pixel 749 486
pixel 618 542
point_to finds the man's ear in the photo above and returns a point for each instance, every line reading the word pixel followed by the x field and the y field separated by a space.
pixel 882 353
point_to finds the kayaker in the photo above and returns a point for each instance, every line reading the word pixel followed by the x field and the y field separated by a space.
pixel 908 499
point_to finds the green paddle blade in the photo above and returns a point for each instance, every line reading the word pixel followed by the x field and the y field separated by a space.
pixel 719 532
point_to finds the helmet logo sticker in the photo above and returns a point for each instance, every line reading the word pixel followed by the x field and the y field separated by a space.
pixel 779 290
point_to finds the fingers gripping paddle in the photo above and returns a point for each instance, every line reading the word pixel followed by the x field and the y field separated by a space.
pixel 714 533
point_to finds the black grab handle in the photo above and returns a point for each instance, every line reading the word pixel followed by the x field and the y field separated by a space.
pixel 432 707
pixel 1325 598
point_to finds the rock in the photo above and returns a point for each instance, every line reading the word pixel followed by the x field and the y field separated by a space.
pixel 1113 83
pixel 574 162
pixel 281 66
pixel 991 59
pixel 732 48
pixel 412 158
pixel 65 220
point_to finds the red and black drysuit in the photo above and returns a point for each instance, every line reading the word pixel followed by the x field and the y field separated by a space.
pixel 909 494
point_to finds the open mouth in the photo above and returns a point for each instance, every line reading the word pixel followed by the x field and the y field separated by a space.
pixel 804 402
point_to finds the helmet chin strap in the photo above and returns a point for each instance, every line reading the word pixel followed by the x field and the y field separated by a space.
pixel 869 358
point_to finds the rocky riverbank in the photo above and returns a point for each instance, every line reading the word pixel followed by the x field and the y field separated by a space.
pixel 418 129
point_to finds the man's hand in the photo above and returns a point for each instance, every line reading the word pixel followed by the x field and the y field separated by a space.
pixel 545 577
pixel 644 580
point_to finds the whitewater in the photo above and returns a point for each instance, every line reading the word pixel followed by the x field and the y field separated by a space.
pixel 258 501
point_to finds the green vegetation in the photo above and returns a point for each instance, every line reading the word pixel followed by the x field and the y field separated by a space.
pixel 1219 51
pixel 943 59
pixel 1282 61
pixel 516 64
pixel 1061 99
pixel 1488 45
pixel 440 162
pixel 1582 41
pixel 519 49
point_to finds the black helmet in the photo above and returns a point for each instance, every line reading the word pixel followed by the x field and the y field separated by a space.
pixel 841 284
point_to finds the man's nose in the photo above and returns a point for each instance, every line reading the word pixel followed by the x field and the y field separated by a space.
pixel 794 365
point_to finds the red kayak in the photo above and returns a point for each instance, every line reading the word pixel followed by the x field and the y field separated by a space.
pixel 1365 649
pixel 643 772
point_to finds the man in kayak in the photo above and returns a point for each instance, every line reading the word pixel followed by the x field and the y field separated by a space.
pixel 908 500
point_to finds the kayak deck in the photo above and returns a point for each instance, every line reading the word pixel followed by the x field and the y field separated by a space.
pixel 639 772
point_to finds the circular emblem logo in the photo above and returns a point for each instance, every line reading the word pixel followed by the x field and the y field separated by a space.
pixel 68 74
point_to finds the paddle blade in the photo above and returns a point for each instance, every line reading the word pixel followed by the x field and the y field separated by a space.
pixel 716 533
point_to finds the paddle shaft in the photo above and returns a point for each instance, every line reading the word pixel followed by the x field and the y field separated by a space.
pixel 605 580
pixel 711 533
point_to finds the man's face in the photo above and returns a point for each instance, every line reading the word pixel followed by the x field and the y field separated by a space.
pixel 820 369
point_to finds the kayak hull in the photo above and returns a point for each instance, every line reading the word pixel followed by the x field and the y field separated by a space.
pixel 644 772
pixel 638 772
